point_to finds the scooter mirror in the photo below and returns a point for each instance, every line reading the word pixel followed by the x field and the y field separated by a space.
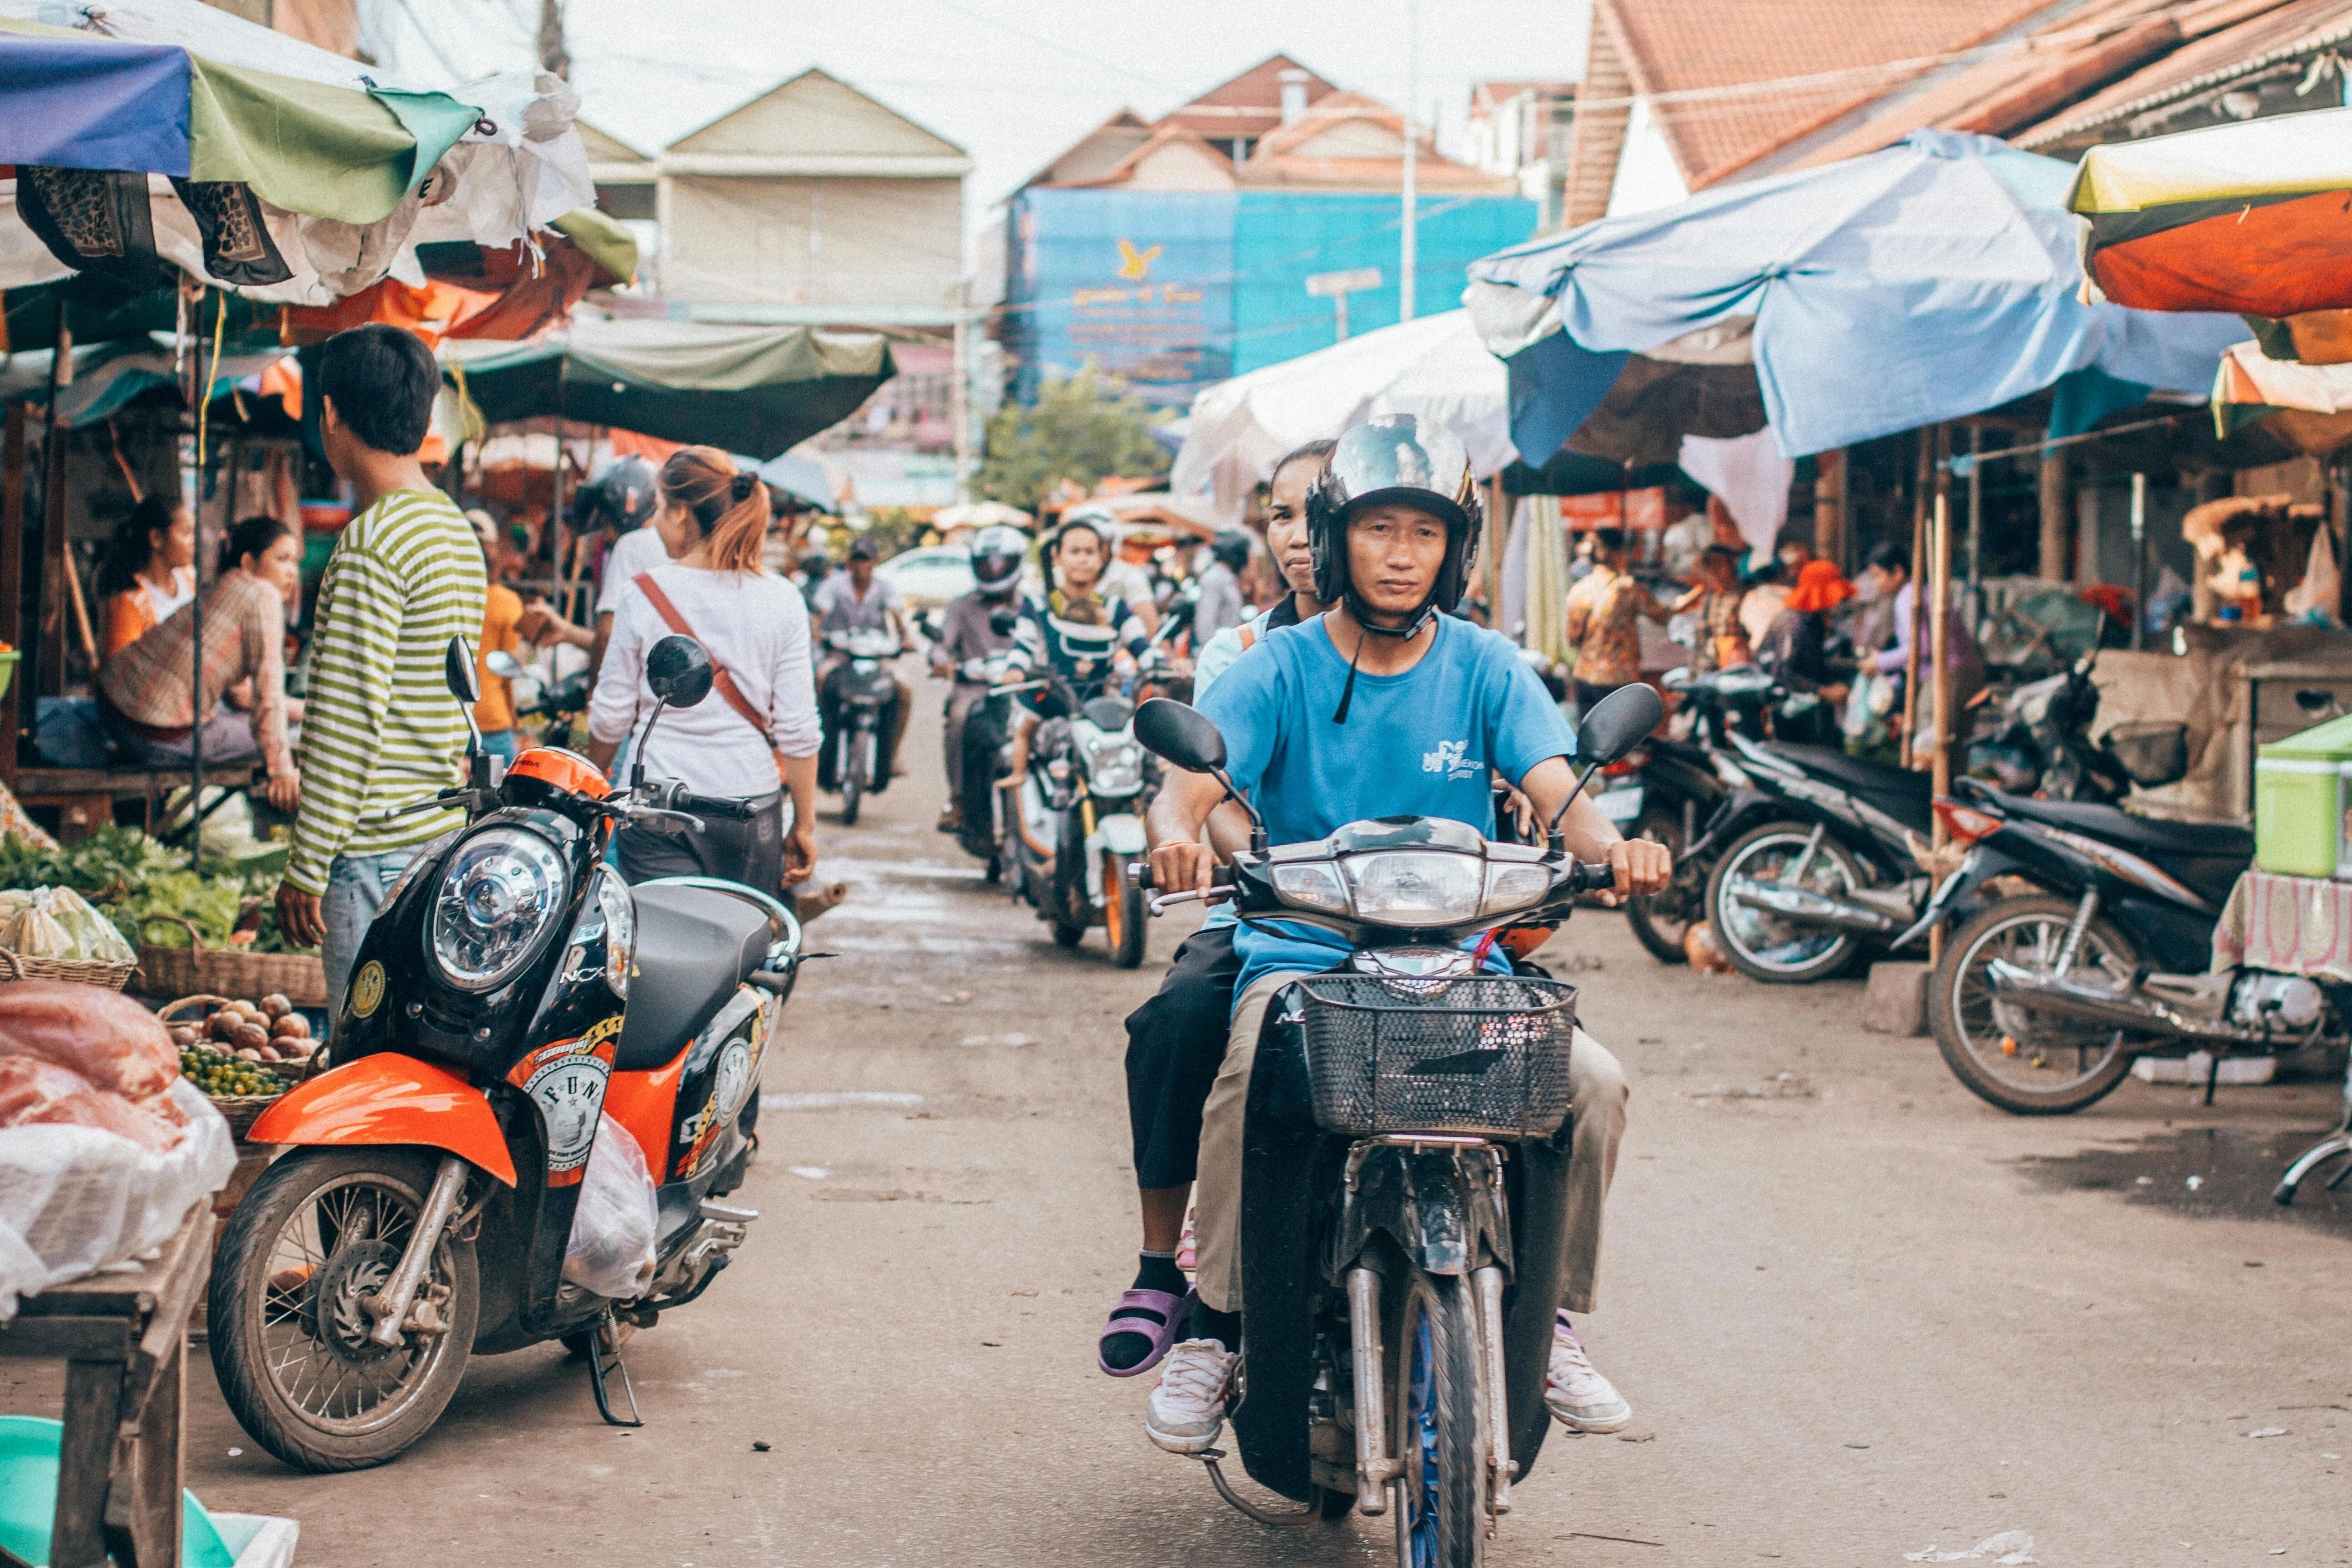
pixel 1183 735
pixel 678 671
pixel 502 664
pixel 1002 622
pixel 1616 725
pixel 457 669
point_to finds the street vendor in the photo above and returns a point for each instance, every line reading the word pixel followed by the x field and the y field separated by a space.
pixel 147 688
pixel 149 571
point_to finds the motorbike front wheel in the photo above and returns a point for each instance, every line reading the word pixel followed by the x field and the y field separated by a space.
pixel 850 769
pixel 2027 1063
pixel 1441 1441
pixel 1772 947
pixel 319 1233
pixel 1123 913
pixel 1660 921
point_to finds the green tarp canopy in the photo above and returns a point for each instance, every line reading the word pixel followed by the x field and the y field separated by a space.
pixel 761 390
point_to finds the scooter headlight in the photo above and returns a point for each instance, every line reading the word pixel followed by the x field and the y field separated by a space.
pixel 619 908
pixel 498 900
pixel 1115 766
pixel 1416 886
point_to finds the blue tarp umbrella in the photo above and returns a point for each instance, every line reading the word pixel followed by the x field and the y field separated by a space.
pixel 1929 281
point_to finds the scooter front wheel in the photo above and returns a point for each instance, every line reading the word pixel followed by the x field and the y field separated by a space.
pixel 319 1234
pixel 852 782
pixel 1123 915
pixel 1441 1441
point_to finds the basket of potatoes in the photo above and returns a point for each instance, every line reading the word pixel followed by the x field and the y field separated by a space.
pixel 242 1055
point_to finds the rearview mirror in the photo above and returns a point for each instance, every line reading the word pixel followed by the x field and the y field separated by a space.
pixel 457 669
pixel 1184 736
pixel 1618 724
pixel 678 671
pixel 502 664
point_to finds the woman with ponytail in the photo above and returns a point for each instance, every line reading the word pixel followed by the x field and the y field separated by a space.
pixel 754 738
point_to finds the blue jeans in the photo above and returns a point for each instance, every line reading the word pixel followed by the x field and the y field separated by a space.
pixel 356 885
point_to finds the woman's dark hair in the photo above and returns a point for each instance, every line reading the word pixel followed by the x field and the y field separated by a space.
pixel 1889 556
pixel 1609 541
pixel 384 380
pixel 133 544
pixel 253 537
pixel 1310 452
pixel 729 507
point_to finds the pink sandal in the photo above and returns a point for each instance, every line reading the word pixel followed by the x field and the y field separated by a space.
pixel 1128 1318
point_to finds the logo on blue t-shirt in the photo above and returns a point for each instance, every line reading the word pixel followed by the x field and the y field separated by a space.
pixel 1451 759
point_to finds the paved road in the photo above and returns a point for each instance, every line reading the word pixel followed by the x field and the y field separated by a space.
pixel 1856 1311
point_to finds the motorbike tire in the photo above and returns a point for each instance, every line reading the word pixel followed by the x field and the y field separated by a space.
pixel 1967 1030
pixel 1441 1442
pixel 243 1297
pixel 1659 920
pixel 1124 918
pixel 851 785
pixel 1742 936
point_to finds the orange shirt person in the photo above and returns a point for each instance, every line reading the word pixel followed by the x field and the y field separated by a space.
pixel 494 715
pixel 149 572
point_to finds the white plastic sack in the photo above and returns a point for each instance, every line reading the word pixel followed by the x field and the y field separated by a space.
pixel 611 1249
pixel 74 1199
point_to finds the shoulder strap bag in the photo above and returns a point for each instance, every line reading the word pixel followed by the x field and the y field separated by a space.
pixel 721 682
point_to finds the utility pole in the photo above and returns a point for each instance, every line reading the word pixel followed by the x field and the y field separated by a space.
pixel 552 55
pixel 1409 252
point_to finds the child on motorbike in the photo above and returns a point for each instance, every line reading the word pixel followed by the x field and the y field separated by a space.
pixel 1322 728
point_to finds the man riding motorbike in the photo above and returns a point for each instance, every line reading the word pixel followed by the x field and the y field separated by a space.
pixel 966 635
pixel 1176 1041
pixel 1393 520
pixel 1077 632
pixel 1219 607
pixel 857 601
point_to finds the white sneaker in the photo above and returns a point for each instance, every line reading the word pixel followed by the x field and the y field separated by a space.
pixel 1582 1399
pixel 1187 1411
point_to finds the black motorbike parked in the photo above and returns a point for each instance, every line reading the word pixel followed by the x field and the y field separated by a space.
pixel 1408 1134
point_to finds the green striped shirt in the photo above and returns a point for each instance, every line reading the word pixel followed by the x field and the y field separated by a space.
pixel 380 730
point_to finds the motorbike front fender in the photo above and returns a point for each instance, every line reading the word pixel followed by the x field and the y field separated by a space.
pixel 1119 834
pixel 1440 1206
pixel 388 1097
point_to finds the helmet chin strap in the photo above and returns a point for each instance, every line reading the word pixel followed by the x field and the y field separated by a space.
pixel 1364 624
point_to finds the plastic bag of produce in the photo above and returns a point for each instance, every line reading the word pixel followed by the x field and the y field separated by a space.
pixel 74 1199
pixel 612 1248
pixel 36 933
pixel 102 1034
pixel 92 935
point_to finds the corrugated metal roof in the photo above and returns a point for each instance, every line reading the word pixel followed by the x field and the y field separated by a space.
pixel 2296 28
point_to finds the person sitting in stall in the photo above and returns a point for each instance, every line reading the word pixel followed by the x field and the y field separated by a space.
pixel 146 692
pixel 148 572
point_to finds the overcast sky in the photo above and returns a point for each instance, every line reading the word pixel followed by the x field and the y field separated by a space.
pixel 1014 81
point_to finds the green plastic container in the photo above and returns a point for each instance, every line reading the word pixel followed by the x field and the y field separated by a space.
pixel 2299 799
pixel 29 1498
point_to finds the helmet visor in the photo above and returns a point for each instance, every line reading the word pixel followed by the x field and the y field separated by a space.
pixel 1399 458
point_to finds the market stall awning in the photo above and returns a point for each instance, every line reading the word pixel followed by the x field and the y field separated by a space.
pixel 2307 407
pixel 761 390
pixel 1926 282
pixel 1435 367
pixel 2250 217
pixel 154 131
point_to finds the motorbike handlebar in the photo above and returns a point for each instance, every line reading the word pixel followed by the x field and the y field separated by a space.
pixel 716 806
pixel 1592 877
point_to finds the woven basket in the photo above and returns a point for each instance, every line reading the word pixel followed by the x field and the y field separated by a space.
pixel 300 977
pixel 239 1110
pixel 86 971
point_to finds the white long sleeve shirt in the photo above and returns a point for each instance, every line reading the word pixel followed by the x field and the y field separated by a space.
pixel 755 628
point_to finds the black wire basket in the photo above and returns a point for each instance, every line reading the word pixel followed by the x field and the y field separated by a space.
pixel 1486 1056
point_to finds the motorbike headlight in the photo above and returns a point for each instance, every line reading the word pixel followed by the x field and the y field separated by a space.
pixel 1512 887
pixel 1115 766
pixel 620 911
pixel 1416 886
pixel 1313 884
pixel 501 896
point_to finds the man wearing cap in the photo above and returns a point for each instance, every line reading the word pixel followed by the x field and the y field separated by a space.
pixel 858 600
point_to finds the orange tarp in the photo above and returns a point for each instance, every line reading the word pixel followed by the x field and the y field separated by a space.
pixel 2276 260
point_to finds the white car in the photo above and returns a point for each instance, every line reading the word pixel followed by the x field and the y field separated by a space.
pixel 929 575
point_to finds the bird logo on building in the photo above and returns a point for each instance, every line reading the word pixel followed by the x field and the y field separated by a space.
pixel 1134 265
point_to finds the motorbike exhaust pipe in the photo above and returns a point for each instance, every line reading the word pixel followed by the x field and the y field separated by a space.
pixel 1811 908
pixel 1373 1467
pixel 2134 1010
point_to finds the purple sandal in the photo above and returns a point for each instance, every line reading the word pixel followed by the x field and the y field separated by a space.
pixel 1125 1319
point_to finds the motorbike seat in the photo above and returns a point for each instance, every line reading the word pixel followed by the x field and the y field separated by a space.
pixel 1902 794
pixel 2207 856
pixel 695 945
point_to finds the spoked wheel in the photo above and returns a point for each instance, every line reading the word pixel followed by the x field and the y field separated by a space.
pixel 1071 909
pixel 1767 946
pixel 319 1235
pixel 1659 920
pixel 2028 1063
pixel 1440 1442
pixel 1123 916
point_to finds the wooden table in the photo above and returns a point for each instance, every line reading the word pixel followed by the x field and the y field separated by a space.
pixel 85 797
pixel 123 1336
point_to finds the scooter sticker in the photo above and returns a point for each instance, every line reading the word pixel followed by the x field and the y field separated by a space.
pixel 367 989
pixel 567 1081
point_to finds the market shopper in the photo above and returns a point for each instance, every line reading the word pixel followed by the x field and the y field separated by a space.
pixel 380 731
pixel 1219 606
pixel 145 691
pixel 149 572
pixel 754 738
pixel 502 613
pixel 1888 577
pixel 619 501
pixel 1604 612
pixel 1721 642
pixel 1795 648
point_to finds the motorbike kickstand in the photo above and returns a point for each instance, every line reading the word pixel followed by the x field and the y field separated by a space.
pixel 1307 1515
pixel 597 1370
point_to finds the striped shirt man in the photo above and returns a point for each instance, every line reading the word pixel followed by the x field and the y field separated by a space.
pixel 380 730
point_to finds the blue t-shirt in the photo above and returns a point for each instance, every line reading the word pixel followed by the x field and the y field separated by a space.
pixel 1423 743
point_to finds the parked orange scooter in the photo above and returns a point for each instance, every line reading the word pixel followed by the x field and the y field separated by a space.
pixel 512 994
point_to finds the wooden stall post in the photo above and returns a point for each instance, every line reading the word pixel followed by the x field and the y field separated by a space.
pixel 1829 506
pixel 53 515
pixel 1975 505
pixel 1919 590
pixel 1940 600
pixel 2054 563
pixel 12 584
pixel 1496 533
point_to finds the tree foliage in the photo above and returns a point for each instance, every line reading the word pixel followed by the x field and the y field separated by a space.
pixel 1086 429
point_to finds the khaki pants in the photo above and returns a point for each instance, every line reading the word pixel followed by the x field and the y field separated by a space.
pixel 1595 1081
